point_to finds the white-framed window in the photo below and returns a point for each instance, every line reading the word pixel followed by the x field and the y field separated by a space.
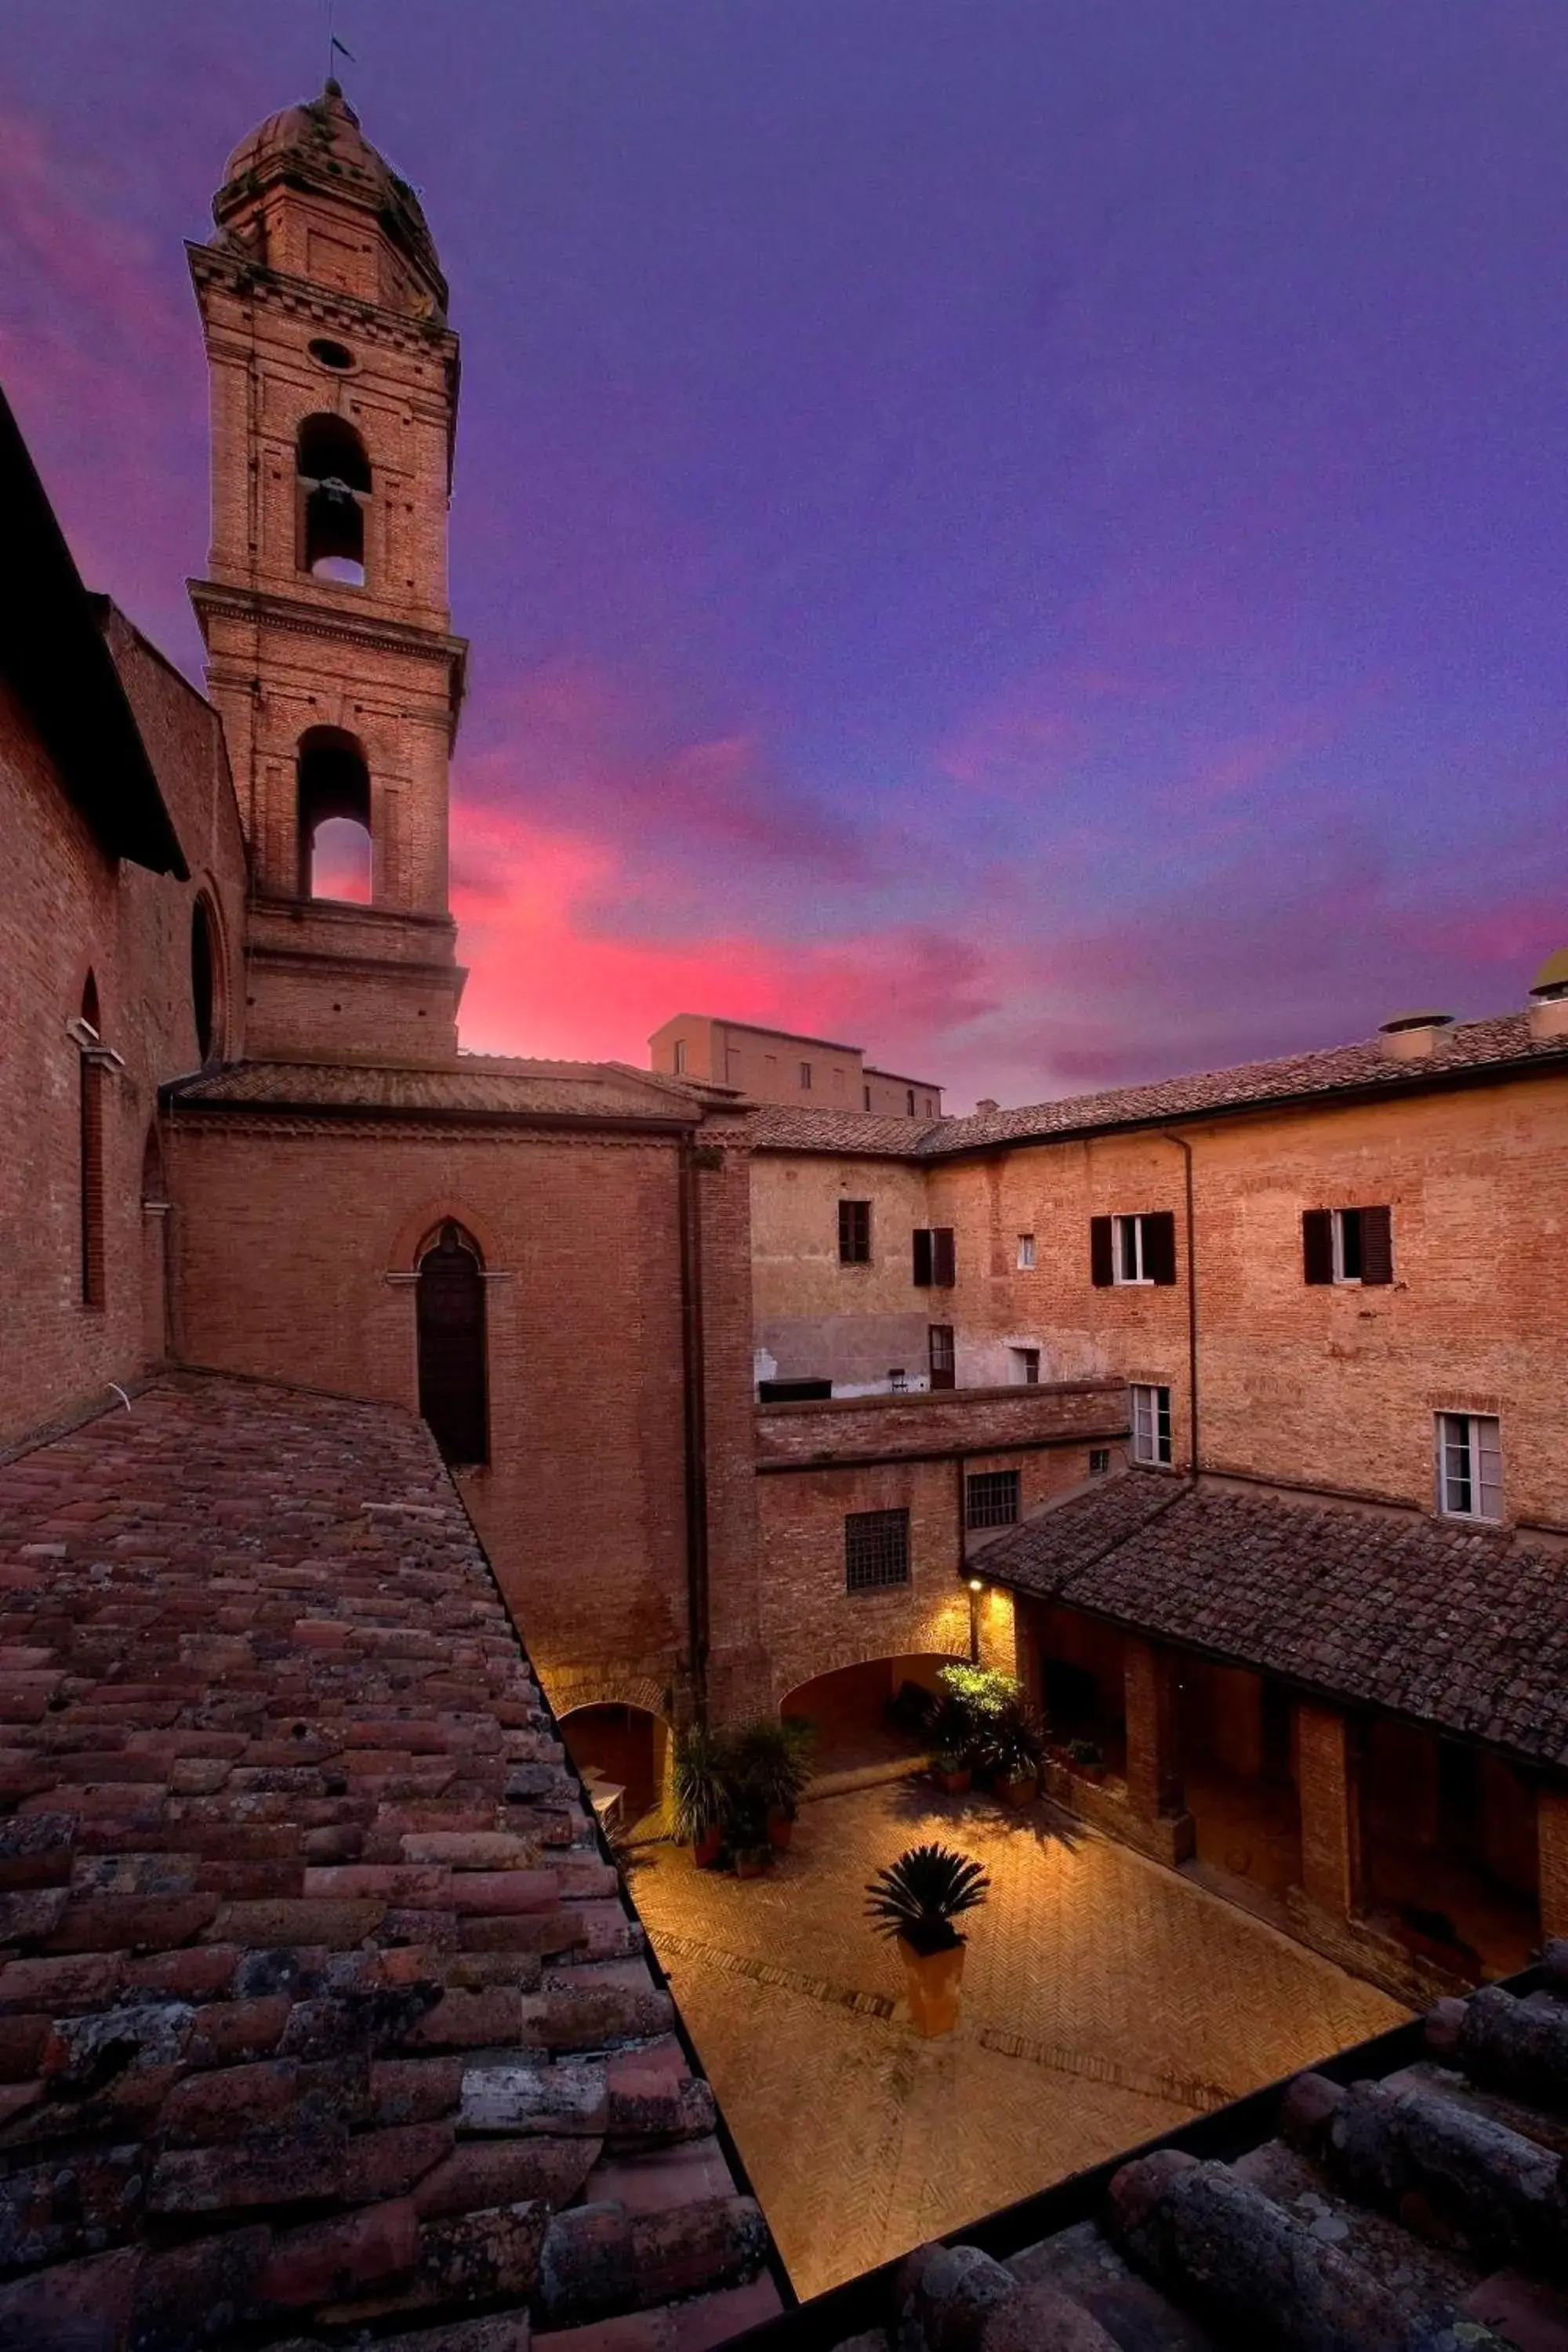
pixel 1469 1465
pixel 1129 1249
pixel 1025 1366
pixel 1025 1252
pixel 1151 1423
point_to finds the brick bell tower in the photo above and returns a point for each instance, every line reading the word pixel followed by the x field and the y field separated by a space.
pixel 334 393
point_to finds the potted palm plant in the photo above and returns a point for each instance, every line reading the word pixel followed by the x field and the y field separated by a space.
pixel 700 1795
pixel 1013 1743
pixel 916 1899
pixel 771 1764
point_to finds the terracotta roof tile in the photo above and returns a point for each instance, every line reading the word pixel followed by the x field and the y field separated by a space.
pixel 474 1085
pixel 1503 1044
pixel 318 1999
pixel 1463 1628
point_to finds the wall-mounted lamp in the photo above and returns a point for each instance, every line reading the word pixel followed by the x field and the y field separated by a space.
pixel 977 1584
pixel 976 1587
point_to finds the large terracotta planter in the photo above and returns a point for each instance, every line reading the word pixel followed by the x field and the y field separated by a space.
pixel 954 1784
pixel 931 1980
pixel 751 1862
pixel 707 1849
pixel 1019 1793
pixel 780 1828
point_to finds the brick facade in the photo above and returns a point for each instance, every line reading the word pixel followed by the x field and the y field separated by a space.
pixel 70 910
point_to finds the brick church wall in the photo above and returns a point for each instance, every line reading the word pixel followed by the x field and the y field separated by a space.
pixel 296 1257
pixel 66 909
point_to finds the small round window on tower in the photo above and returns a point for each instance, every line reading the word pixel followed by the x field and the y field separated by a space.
pixel 328 354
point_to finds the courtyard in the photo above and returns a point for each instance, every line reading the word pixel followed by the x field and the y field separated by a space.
pixel 1105 1999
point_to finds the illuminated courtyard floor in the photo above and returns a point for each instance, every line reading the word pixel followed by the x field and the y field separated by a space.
pixel 1105 2000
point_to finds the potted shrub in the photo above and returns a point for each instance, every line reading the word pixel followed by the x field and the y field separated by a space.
pixel 1013 1747
pixel 974 1702
pixel 770 1764
pixel 752 1860
pixel 1087 1757
pixel 916 1899
pixel 701 1794
pixel 952 1770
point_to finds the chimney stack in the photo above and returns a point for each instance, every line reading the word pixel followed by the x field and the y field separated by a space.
pixel 985 1103
pixel 1413 1036
pixel 1549 998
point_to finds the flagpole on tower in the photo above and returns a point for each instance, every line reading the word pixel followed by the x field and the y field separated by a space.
pixel 335 48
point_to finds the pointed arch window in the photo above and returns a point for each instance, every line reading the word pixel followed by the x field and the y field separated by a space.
pixel 89 1160
pixel 450 1299
pixel 334 493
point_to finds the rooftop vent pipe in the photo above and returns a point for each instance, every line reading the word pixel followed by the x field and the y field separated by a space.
pixel 1549 997
pixel 1413 1036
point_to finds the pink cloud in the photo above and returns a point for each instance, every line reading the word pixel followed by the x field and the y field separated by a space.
pixel 572 742
pixel 104 370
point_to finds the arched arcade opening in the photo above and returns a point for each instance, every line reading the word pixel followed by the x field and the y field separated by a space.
pixel 864 1714
pixel 622 1752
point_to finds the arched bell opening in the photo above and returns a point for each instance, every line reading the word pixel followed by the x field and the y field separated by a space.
pixel 334 492
pixel 334 817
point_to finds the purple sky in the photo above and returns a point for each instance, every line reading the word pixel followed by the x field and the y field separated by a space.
pixel 1032 536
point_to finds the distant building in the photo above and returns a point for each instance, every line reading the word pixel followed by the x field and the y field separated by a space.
pixel 777 1066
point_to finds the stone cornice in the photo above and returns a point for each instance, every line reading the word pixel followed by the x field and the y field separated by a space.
pixel 263 607
pixel 212 264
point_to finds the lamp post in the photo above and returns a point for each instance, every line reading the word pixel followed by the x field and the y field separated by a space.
pixel 976 1587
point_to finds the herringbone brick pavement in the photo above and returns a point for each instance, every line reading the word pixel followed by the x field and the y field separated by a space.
pixel 1105 2000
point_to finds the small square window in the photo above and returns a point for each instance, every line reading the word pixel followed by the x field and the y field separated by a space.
pixel 854 1233
pixel 991 1498
pixel 1469 1465
pixel 1098 1461
pixel 1025 1252
pixel 876 1550
pixel 1025 1366
pixel 1151 1423
pixel 897 1380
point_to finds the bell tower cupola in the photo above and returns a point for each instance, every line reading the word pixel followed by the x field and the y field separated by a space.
pixel 329 653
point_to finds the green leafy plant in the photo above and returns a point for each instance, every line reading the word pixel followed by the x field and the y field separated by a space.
pixel 1087 1752
pixel 972 1702
pixel 1012 1742
pixel 700 1785
pixel 920 1895
pixel 768 1765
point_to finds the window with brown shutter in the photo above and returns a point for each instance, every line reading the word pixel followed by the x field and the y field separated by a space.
pixel 1377 1245
pixel 450 1316
pixel 1135 1250
pixel 854 1233
pixel 1347 1245
pixel 1160 1245
pixel 1317 1245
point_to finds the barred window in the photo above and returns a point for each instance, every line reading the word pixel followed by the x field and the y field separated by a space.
pixel 991 1498
pixel 876 1550
pixel 1098 1461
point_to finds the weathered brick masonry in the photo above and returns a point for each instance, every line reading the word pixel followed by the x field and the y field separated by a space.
pixel 319 2004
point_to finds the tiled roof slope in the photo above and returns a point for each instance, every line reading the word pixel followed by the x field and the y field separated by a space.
pixel 1404 2198
pixel 1504 1044
pixel 319 2004
pixel 573 1090
pixel 1467 1629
